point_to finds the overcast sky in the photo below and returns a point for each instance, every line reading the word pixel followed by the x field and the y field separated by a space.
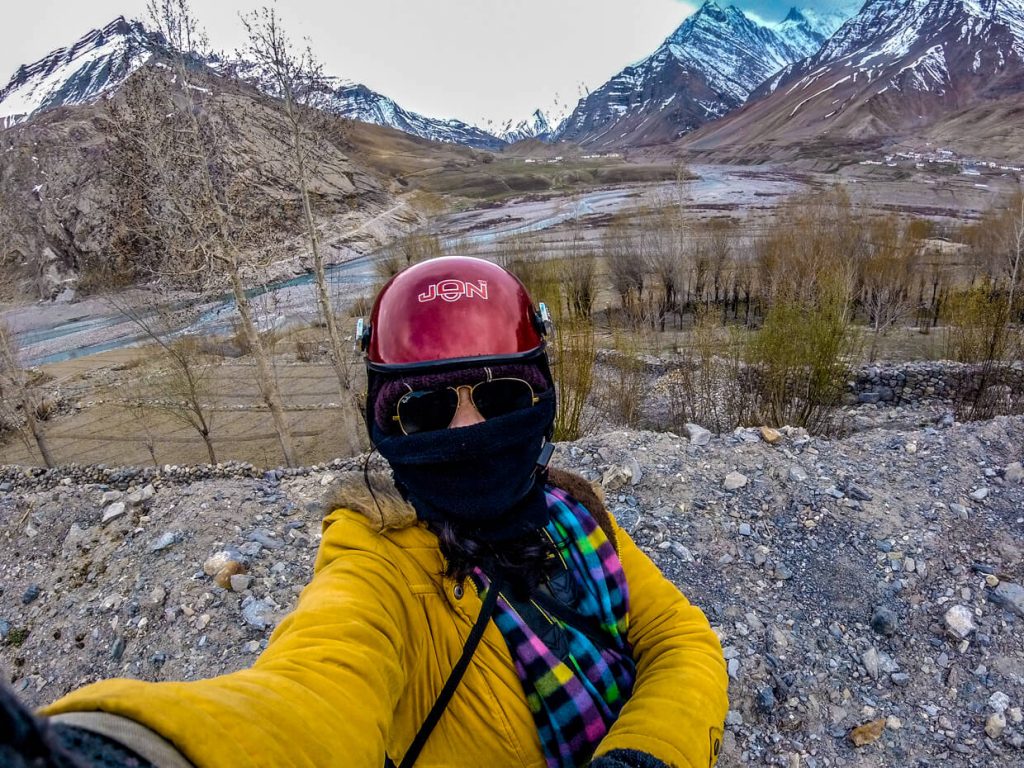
pixel 482 61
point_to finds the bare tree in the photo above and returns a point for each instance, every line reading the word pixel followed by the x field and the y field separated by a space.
pixel 177 143
pixel 297 79
pixel 662 246
pixel 185 386
pixel 886 276
pixel 20 402
pixel 625 267
pixel 1013 247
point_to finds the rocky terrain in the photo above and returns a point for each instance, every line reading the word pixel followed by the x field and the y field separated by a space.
pixel 867 591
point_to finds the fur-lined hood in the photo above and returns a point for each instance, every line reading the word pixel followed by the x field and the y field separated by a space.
pixel 375 497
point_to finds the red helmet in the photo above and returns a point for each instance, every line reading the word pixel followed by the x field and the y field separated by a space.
pixel 451 310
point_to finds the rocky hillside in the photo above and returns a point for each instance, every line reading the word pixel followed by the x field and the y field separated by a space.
pixel 58 180
pixel 867 591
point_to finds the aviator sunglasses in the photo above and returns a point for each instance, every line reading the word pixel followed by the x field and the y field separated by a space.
pixel 423 410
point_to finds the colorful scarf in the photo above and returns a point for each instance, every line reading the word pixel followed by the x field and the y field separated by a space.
pixel 574 701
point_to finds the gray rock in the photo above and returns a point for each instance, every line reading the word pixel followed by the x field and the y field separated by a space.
pixel 884 621
pixel 5 487
pixel 858 493
pixel 111 496
pixel 257 613
pixel 240 582
pixel 1010 596
pixel 166 540
pixel 114 511
pixel 783 572
pixel 745 529
pixel 869 398
pixel 265 539
pixel 734 481
pixel 697 435
pixel 635 472
pixel 615 477
pixel 733 666
pixel 682 552
pixel 960 621
pixel 117 648
pixel 1014 473
pixel 980 494
pixel 5 629
pixel 797 474
pixel 250 549
pixel 900 678
pixel 766 699
pixel 999 702
pixel 870 661
pixel 30 594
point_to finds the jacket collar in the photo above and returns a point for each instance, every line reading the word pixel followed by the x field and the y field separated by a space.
pixel 374 496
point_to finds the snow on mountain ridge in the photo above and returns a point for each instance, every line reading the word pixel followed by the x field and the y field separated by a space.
pixel 356 101
pixel 80 73
pixel 711 62
pixel 104 58
pixel 537 125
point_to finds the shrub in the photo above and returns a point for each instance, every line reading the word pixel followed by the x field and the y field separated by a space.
pixel 573 352
pixel 797 362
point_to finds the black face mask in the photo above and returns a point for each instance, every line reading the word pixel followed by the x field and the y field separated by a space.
pixel 482 478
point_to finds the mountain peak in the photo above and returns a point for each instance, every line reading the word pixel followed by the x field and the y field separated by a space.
pixel 98 61
pixel 795 15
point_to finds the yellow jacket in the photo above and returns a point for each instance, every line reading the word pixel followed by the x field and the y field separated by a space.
pixel 355 668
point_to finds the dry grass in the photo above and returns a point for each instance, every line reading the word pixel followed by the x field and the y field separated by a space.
pixel 106 429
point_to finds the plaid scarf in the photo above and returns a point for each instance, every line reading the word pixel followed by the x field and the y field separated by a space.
pixel 574 700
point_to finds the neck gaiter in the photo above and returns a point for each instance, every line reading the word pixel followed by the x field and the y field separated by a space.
pixel 482 478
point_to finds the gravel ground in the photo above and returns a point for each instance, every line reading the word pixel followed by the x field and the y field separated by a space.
pixel 866 589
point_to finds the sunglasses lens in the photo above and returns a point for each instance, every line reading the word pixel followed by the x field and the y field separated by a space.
pixel 499 397
pixel 426 410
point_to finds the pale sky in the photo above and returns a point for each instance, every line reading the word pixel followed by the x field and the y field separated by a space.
pixel 481 61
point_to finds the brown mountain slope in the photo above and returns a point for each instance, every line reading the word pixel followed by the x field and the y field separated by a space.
pixel 61 195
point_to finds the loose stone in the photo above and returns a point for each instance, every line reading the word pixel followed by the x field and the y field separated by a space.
pixel 240 582
pixel 1010 596
pixel 697 435
pixel 995 725
pixel 960 621
pixel 114 511
pixel 735 481
pixel 231 569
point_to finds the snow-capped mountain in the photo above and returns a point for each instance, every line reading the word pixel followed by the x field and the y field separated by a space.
pixel 807 30
pixel 104 58
pixel 706 68
pixel 357 102
pixel 79 74
pixel 897 67
pixel 536 126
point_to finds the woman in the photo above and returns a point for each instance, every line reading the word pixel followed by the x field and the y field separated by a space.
pixel 476 609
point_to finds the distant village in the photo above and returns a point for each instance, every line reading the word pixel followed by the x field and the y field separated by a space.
pixel 965 165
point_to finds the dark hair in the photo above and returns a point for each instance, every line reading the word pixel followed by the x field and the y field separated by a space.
pixel 522 563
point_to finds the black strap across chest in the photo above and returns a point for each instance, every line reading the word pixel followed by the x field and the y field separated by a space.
pixel 472 641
